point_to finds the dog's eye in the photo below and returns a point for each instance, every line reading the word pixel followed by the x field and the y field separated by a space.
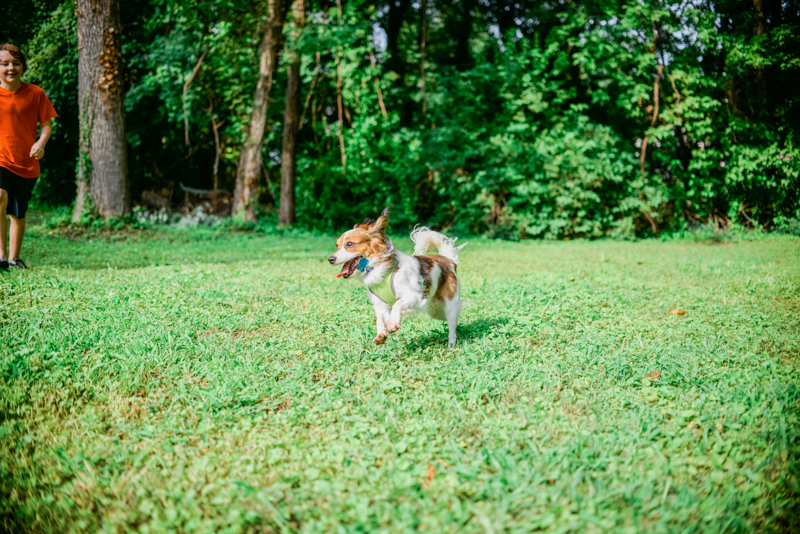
pixel 349 244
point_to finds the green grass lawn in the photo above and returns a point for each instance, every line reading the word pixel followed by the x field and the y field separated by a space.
pixel 218 382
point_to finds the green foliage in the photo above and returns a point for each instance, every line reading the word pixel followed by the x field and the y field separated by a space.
pixel 162 49
pixel 211 381
pixel 535 112
pixel 53 59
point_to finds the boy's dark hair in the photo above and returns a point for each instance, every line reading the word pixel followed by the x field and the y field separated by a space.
pixel 15 53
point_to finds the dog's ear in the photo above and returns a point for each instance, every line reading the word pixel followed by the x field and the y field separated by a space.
pixel 364 224
pixel 382 223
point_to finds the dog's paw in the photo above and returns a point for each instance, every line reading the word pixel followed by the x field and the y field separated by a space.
pixel 380 339
pixel 392 327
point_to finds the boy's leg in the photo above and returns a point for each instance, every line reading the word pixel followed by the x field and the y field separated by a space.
pixel 17 233
pixel 3 224
pixel 16 210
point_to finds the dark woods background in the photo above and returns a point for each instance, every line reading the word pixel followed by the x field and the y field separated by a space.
pixel 516 119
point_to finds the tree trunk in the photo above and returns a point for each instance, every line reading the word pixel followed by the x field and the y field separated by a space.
pixel 249 172
pixel 759 29
pixel 656 86
pixel 339 98
pixel 100 101
pixel 423 37
pixel 398 14
pixel 462 57
pixel 377 84
pixel 395 18
pixel 291 116
pixel 80 199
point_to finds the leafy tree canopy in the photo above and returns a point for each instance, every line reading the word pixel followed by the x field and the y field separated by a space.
pixel 517 119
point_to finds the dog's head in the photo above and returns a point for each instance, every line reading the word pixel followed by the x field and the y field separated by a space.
pixel 366 240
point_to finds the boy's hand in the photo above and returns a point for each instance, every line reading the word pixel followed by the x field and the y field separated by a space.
pixel 37 150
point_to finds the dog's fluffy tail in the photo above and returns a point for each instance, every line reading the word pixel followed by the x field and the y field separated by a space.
pixel 424 238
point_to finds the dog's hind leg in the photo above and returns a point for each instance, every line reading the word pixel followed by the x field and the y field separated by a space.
pixel 451 311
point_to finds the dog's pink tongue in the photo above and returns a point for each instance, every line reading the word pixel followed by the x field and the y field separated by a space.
pixel 345 269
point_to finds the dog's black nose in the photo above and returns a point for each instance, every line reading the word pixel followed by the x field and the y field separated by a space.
pixel 332 259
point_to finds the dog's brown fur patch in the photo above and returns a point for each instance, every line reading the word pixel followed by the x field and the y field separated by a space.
pixel 364 224
pixel 426 264
pixel 448 283
pixel 366 242
pixel 368 238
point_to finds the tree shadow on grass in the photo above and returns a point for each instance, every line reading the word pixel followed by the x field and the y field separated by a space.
pixel 472 330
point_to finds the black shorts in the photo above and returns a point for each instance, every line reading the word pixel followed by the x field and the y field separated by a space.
pixel 19 191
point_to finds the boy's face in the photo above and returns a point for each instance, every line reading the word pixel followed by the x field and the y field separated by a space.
pixel 10 68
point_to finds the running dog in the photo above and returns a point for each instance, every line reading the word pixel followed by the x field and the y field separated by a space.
pixel 399 284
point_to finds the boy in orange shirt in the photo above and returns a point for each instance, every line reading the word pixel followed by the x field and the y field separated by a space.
pixel 22 107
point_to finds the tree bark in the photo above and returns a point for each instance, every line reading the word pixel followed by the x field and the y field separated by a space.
pixel 185 92
pixel 653 120
pixel 339 98
pixel 215 128
pixel 423 36
pixel 759 29
pixel 100 101
pixel 249 172
pixel 308 96
pixel 396 16
pixel 463 57
pixel 80 199
pixel 646 209
pixel 377 84
pixel 291 117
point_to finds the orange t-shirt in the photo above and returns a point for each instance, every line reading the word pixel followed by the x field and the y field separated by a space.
pixel 21 111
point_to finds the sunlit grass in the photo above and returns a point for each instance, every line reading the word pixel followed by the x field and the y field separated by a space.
pixel 218 382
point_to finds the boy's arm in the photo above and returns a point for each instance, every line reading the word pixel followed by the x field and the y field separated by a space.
pixel 37 150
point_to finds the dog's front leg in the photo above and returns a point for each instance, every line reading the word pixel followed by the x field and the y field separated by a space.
pixel 380 338
pixel 394 318
pixel 382 312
